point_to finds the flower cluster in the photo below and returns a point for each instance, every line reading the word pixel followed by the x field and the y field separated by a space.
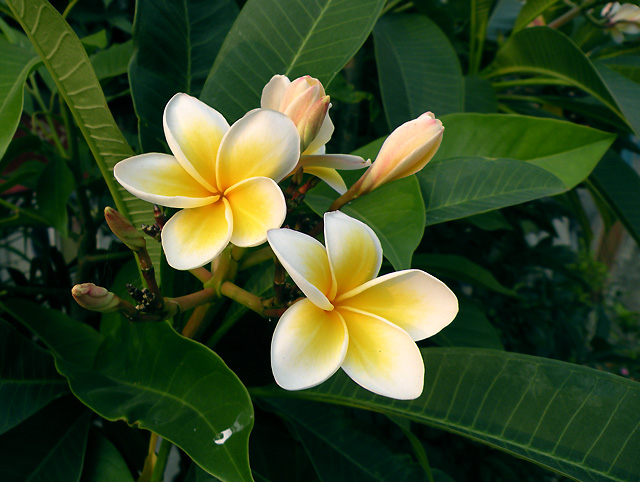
pixel 225 181
pixel 621 19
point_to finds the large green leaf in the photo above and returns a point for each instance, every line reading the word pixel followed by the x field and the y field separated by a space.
pixel 459 183
pixel 175 44
pixel 16 63
pixel 147 374
pixel 568 151
pixel 394 211
pixel 54 196
pixel 543 50
pixel 461 187
pixel 28 378
pixel 619 184
pixel 417 67
pixel 290 37
pixel 577 421
pixel 341 449
pixel 67 62
pixel 47 447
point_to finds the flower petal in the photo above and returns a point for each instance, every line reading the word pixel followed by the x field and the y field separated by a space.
pixel 194 237
pixel 257 205
pixel 308 346
pixel 274 91
pixel 381 357
pixel 264 143
pixel 194 131
pixel 160 179
pixel 335 161
pixel 413 300
pixel 355 253
pixel 305 259
pixel 330 176
pixel 324 136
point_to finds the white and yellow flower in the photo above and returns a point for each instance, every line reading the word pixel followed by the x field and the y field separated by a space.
pixel 621 19
pixel 225 178
pixel 305 102
pixel 351 319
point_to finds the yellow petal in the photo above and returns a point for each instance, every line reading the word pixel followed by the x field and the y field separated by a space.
pixel 194 132
pixel 160 179
pixel 355 254
pixel 264 143
pixel 194 237
pixel 415 301
pixel 257 205
pixel 381 357
pixel 308 346
pixel 328 175
pixel 305 259
pixel 274 91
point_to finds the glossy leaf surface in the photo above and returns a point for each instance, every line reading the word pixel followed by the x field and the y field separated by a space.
pixel 149 375
pixel 574 420
pixel 175 44
pixel 417 67
pixel 290 37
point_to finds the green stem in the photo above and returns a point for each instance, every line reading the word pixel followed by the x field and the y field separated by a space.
pixel 527 82
pixel 389 6
pixel 161 461
pixel 69 7
pixel 256 257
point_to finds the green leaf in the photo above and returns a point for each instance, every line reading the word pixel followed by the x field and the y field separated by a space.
pixel 290 37
pixel 576 421
pixel 460 268
pixel 479 95
pixel 342 449
pixel 47 447
pixel 568 151
pixel 530 11
pixel 395 211
pixel 16 63
pixel 543 50
pixel 112 61
pixel 175 44
pixel 55 185
pixel 149 375
pixel 417 67
pixel 103 462
pixel 627 65
pixel 67 62
pixel 460 187
pixel 619 184
pixel 470 328
pixel 28 378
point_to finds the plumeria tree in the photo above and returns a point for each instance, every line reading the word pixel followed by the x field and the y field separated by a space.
pixel 280 240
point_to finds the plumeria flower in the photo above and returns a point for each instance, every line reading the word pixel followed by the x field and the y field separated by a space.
pixel 225 178
pixel 304 101
pixel 621 19
pixel 351 319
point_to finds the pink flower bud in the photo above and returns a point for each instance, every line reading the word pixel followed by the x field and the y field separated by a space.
pixel 95 298
pixel 407 150
pixel 124 230
pixel 304 101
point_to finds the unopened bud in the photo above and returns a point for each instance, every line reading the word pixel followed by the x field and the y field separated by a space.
pixel 95 298
pixel 406 151
pixel 304 101
pixel 124 230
